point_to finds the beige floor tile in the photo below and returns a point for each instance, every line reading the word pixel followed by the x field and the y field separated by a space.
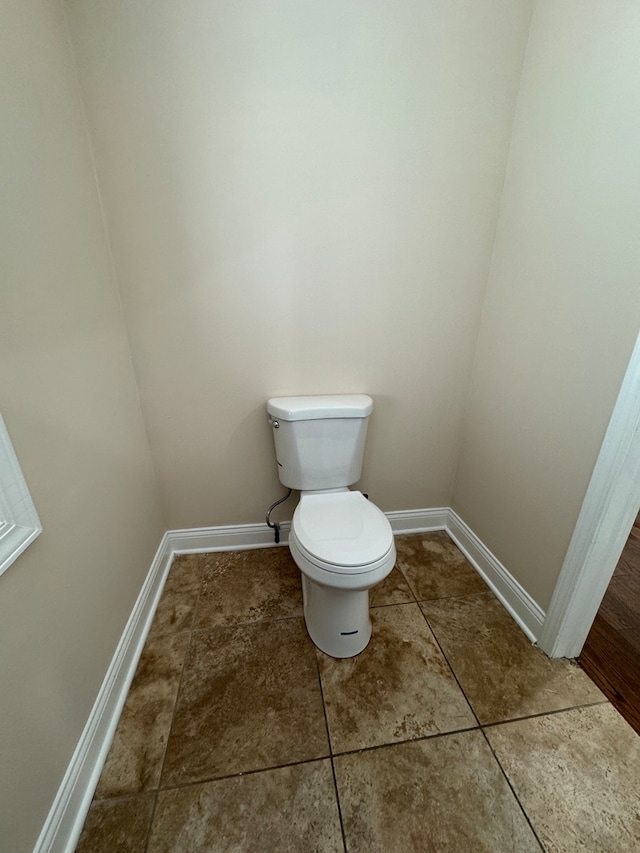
pixel 117 826
pixel 135 759
pixel 250 699
pixel 502 674
pixel 249 586
pixel 577 775
pixel 286 809
pixel 174 613
pixel 394 589
pixel 435 567
pixel 178 601
pixel 399 687
pixel 441 794
pixel 186 572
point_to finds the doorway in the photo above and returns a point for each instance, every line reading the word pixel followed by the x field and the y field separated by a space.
pixel 611 504
pixel 611 653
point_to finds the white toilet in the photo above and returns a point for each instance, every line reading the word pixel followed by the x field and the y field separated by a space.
pixel 341 542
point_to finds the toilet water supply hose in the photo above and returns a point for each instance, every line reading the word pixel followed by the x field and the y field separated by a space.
pixel 274 525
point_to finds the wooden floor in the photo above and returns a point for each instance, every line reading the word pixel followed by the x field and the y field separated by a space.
pixel 611 655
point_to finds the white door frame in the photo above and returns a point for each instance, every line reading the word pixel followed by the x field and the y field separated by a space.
pixel 610 506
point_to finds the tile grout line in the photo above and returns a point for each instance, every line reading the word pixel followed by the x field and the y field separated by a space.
pixel 175 706
pixel 173 714
pixel 333 768
pixel 150 827
pixel 419 739
pixel 335 786
pixel 453 672
pixel 257 770
pixel 206 780
pixel 391 604
pixel 243 623
pixel 427 600
pixel 506 722
pixel 512 789
pixel 406 579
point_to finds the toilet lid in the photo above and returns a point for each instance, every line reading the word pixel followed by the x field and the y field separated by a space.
pixel 343 529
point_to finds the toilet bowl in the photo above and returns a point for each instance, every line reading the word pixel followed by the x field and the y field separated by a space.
pixel 343 545
pixel 341 542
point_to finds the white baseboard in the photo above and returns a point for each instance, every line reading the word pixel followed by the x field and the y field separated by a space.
pixel 418 520
pixel 242 537
pixel 68 813
pixel 69 810
pixel 517 601
pixel 233 537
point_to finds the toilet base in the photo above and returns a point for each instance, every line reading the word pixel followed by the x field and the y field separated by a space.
pixel 337 620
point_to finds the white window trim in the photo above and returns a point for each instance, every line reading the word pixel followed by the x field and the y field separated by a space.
pixel 19 522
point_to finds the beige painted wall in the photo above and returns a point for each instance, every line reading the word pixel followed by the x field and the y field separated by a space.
pixel 563 302
pixel 69 399
pixel 302 198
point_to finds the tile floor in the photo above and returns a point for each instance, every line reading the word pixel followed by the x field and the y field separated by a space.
pixel 450 732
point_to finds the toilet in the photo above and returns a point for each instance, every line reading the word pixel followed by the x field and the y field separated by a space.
pixel 341 542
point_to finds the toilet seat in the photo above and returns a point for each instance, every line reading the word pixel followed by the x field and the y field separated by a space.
pixel 342 532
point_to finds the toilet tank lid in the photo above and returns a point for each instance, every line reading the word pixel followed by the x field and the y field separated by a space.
pixel 310 408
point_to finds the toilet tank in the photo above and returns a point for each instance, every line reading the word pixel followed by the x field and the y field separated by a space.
pixel 319 439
